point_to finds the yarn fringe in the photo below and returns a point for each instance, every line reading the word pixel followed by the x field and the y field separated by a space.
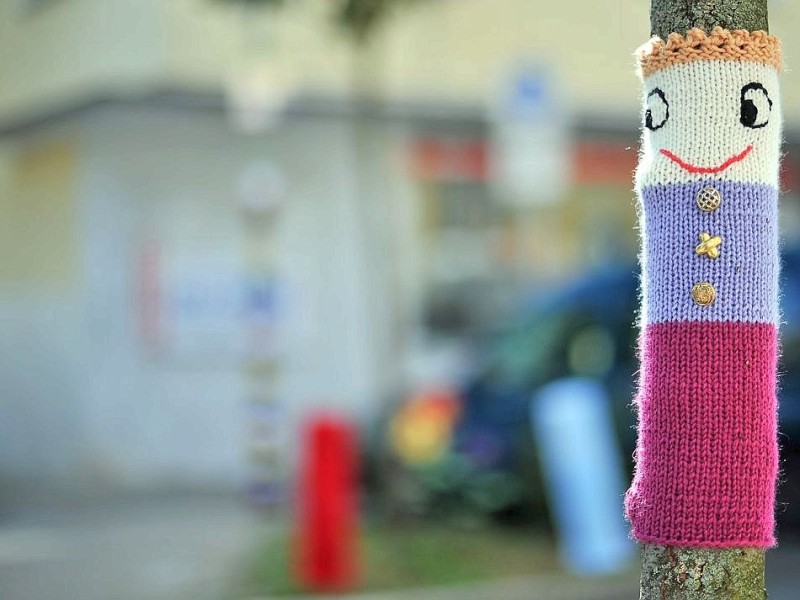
pixel 720 44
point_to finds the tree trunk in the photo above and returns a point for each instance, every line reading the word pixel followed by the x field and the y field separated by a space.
pixel 680 16
pixel 672 573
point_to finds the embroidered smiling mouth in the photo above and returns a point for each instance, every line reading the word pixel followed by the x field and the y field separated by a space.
pixel 706 170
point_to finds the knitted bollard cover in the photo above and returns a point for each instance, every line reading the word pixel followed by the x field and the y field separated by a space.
pixel 707 183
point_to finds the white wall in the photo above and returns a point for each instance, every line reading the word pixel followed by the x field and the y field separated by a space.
pixel 163 177
pixel 77 50
pixel 42 432
pixel 127 417
pixel 443 51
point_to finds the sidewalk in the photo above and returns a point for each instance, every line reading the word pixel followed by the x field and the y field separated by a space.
pixel 542 587
pixel 145 549
pixel 194 548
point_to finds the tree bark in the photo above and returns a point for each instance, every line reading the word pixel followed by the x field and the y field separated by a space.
pixel 680 16
pixel 672 573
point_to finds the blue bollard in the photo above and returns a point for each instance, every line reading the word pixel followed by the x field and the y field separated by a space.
pixel 583 474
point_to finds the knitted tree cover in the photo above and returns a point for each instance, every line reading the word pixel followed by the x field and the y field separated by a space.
pixel 707 184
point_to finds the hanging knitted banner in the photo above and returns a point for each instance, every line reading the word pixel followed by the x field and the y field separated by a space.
pixel 707 183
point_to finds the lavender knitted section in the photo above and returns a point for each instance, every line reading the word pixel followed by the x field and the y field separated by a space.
pixel 746 272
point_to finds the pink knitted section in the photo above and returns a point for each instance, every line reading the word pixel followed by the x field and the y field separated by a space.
pixel 707 456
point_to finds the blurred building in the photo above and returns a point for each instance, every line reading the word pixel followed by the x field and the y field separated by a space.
pixel 141 142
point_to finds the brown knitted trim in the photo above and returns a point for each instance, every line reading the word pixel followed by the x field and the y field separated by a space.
pixel 720 44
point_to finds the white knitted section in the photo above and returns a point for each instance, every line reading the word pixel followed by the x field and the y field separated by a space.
pixel 704 128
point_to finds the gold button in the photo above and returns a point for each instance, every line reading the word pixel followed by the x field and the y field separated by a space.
pixel 709 245
pixel 704 293
pixel 708 199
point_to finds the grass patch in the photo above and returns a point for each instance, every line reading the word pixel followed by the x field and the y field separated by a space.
pixel 417 556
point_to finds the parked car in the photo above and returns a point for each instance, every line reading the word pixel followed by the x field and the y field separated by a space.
pixel 588 329
pixel 585 329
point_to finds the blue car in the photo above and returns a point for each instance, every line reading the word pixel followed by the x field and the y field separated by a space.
pixel 589 329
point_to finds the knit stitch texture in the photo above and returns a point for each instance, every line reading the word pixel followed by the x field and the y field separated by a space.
pixel 720 44
pixel 746 272
pixel 707 455
pixel 706 458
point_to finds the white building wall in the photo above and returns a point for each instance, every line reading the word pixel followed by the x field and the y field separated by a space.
pixel 130 417
pixel 442 51
pixel 41 314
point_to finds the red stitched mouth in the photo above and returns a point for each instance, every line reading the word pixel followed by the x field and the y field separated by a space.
pixel 706 170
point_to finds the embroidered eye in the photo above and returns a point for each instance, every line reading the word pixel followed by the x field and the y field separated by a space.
pixel 755 106
pixel 657 111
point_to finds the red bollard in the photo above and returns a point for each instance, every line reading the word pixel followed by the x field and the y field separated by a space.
pixel 326 543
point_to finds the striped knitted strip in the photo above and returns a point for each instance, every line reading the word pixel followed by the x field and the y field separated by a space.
pixel 704 128
pixel 706 459
pixel 720 44
pixel 746 272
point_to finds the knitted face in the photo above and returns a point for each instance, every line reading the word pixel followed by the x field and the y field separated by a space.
pixel 716 119
pixel 707 183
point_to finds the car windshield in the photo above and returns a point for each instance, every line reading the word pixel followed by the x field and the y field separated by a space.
pixel 521 354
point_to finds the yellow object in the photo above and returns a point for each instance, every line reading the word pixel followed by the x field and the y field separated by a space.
pixel 709 245
pixel 39 234
pixel 419 441
pixel 704 293
pixel 421 431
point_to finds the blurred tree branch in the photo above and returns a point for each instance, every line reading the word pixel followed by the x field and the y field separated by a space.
pixel 362 17
pixel 253 2
pixel 359 17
